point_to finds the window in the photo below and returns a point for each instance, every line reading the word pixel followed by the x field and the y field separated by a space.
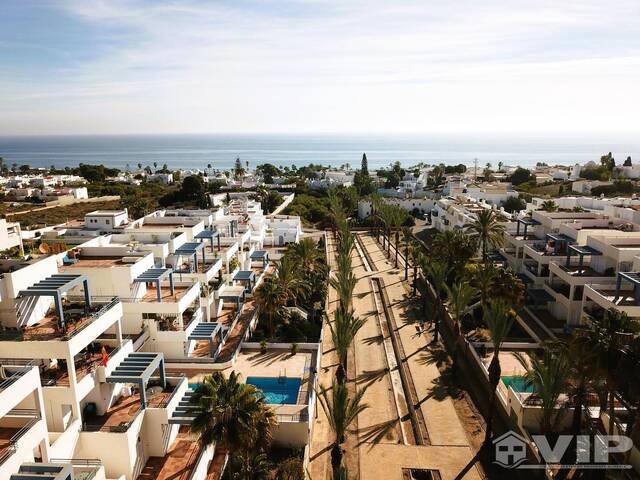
pixel 108 221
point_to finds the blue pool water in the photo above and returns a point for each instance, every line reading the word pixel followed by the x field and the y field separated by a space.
pixel 519 384
pixel 277 391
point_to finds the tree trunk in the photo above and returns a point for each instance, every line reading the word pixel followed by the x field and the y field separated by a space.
pixel 415 279
pixel 341 374
pixel 406 262
pixel 494 378
pixel 336 459
pixel 576 421
pixel 397 241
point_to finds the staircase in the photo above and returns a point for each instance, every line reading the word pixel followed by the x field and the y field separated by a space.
pixel 182 414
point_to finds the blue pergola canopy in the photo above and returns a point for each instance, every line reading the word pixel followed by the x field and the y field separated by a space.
pixel 192 249
pixel 527 222
pixel 581 251
pixel 137 367
pixel 209 234
pixel 246 276
pixel 156 275
pixel 56 285
pixel 260 255
pixel 208 331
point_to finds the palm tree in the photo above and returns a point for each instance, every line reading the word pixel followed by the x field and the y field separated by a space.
pixel 271 299
pixel 226 411
pixel 547 374
pixel 344 284
pixel 499 319
pixel 306 254
pixel 455 248
pixel 416 259
pixel 343 332
pixel 487 230
pixel 249 466
pixel 376 200
pixel 608 337
pixel 289 277
pixel 341 412
pixel 460 296
pixel 398 216
pixel 581 379
pixel 436 274
pixel 549 206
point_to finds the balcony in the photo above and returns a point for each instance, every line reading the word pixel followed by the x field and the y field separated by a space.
pixel 78 316
pixel 124 412
pixel 19 429
pixel 581 275
pixel 181 460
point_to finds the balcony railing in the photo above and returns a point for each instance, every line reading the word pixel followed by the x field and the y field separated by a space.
pixel 21 335
pixel 121 428
pixel 21 367
pixel 302 416
pixel 12 444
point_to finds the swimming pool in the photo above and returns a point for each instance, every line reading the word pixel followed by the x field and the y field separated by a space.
pixel 518 383
pixel 277 391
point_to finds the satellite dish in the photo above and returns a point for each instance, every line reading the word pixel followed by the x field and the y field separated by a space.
pixel 44 248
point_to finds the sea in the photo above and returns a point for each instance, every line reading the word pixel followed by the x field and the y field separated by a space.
pixel 335 150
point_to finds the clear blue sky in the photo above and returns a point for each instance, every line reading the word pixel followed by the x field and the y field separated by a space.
pixel 499 66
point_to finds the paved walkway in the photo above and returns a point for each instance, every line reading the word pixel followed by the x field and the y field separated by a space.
pixel 383 450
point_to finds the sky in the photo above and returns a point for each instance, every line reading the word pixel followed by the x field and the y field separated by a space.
pixel 316 66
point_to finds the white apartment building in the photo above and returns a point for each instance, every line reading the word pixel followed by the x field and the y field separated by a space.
pixel 10 235
pixel 411 205
pixel 99 398
pixel 106 219
pixel 283 229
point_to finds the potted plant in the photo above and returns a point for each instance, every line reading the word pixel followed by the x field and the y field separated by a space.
pixel 294 348
pixel 263 346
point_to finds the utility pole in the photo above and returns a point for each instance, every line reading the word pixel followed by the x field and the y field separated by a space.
pixel 475 170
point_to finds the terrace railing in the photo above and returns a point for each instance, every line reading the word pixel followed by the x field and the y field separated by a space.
pixel 20 335
pixel 123 427
pixel 12 444
pixel 302 416
pixel 22 367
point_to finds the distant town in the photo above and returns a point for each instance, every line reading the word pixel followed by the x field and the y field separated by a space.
pixel 266 322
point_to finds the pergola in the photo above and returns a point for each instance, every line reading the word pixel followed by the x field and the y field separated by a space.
pixel 156 275
pixel 208 331
pixel 634 279
pixel 260 255
pixel 558 240
pixel 137 368
pixel 238 297
pixel 582 251
pixel 246 278
pixel 56 285
pixel 191 249
pixel 210 235
pixel 527 222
